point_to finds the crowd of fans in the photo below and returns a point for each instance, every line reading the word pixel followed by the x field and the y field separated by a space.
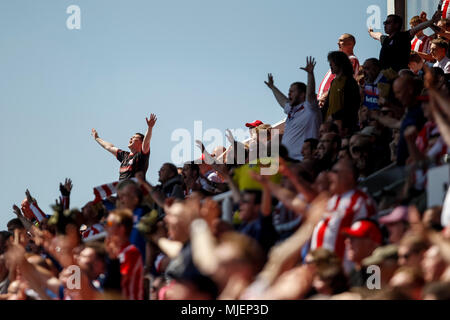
pixel 308 231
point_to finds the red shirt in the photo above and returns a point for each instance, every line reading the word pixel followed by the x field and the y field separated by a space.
pixel 132 271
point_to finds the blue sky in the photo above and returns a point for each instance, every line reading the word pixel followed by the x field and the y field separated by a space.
pixel 183 60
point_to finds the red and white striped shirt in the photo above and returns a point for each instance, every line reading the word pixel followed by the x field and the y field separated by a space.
pixel 132 271
pixel 446 9
pixel 326 82
pixel 342 211
pixel 421 44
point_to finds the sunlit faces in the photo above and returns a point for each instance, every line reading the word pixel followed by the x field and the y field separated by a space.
pixel 370 71
pixel 345 43
pixel 437 52
pixel 128 199
pixel 390 26
pixel 295 96
pixel 341 177
pixel 135 143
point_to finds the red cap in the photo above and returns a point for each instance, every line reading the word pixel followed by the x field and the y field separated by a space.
pixel 254 124
pixel 364 229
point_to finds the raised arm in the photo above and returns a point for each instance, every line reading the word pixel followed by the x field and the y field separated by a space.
pixel 148 135
pixel 426 24
pixel 311 87
pixel 105 145
pixel 281 98
pixel 375 35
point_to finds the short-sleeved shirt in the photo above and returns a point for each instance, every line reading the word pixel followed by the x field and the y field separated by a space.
pixel 303 122
pixel 395 51
pixel 444 64
pixel 131 164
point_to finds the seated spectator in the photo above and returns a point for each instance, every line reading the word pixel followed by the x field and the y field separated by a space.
pixel 439 50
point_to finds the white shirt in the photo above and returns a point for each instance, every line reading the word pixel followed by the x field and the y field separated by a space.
pixel 302 123
pixel 444 64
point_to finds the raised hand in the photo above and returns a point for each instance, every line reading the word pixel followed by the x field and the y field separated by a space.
pixel 310 64
pixel 229 136
pixel 258 177
pixel 436 16
pixel 200 145
pixel 94 133
pixel 17 211
pixel 29 197
pixel 152 121
pixel 66 187
pixel 269 81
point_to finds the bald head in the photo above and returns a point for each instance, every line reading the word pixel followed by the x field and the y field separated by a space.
pixel 404 90
pixel 346 43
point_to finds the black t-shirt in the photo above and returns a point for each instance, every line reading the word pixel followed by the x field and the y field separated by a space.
pixel 131 164
pixel 395 51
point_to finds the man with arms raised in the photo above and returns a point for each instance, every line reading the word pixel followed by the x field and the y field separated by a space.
pixel 137 159
pixel 303 116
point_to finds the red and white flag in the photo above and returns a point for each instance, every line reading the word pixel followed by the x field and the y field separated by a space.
pixel 105 190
